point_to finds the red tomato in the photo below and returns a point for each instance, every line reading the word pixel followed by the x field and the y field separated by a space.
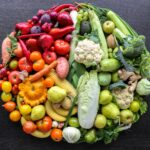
pixel 56 135
pixel 29 127
pixel 38 65
pixel 1 81
pixel 45 124
pixel 24 64
pixel 61 47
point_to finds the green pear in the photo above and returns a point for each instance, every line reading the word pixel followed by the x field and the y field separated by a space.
pixel 110 111
pixel 126 116
pixel 38 112
pixel 56 94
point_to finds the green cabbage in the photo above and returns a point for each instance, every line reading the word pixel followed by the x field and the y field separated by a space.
pixel 143 87
pixel 88 97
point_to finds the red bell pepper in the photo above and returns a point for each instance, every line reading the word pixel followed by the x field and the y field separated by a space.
pixel 24 27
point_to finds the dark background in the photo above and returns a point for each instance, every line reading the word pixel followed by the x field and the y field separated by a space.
pixel 136 13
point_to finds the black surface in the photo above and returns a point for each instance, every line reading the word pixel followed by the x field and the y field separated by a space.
pixel 137 13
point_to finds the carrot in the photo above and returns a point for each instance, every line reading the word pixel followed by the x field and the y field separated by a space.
pixel 43 72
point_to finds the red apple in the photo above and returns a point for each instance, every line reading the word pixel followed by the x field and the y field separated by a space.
pixel 18 51
pixel 49 57
pixel 45 124
pixel 14 77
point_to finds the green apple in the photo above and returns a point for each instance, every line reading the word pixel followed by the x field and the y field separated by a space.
pixel 135 106
pixel 100 121
pixel 108 27
pixel 126 116
pixel 105 97
pixel 38 112
pixel 13 64
pixel 110 111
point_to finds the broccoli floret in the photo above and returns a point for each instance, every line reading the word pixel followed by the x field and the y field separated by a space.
pixel 133 46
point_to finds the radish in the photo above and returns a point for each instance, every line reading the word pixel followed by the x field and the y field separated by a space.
pixel 64 19
pixel 45 41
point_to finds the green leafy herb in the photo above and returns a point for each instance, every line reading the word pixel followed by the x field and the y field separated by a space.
pixel 18 33
pixel 13 45
pixel 92 36
pixel 136 117
pixel 143 107
pixel 119 84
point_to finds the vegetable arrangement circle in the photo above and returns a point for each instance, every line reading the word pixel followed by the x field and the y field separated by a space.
pixel 75 72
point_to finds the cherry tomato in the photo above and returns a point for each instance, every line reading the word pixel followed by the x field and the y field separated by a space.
pixel 56 135
pixel 24 64
pixel 6 97
pixel 52 48
pixel 1 81
pixel 6 86
pixel 49 82
pixel 38 65
pixel 61 47
pixel 45 124
pixel 15 89
pixel 10 106
pixel 15 116
pixel 29 127
pixel 34 56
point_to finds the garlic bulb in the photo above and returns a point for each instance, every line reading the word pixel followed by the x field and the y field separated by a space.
pixel 71 134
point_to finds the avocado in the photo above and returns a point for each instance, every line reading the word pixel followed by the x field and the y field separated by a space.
pixel 85 27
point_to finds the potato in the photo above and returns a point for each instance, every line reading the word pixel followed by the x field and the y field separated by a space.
pixel 66 103
pixel 111 41
pixel 62 68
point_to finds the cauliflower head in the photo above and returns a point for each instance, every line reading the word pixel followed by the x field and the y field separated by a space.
pixel 123 97
pixel 88 53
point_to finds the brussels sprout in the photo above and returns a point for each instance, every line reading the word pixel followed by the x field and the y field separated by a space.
pixel 110 65
pixel 104 78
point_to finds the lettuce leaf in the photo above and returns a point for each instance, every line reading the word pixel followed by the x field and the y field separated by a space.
pixel 88 97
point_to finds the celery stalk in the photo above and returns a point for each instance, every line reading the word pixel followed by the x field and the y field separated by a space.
pixel 96 26
pixel 119 24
